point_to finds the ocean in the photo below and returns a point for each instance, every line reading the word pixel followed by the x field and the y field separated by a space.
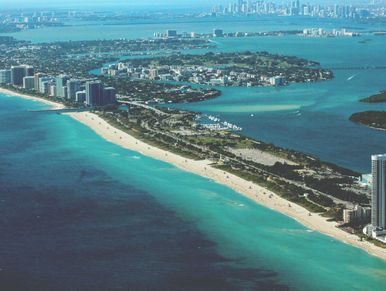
pixel 80 213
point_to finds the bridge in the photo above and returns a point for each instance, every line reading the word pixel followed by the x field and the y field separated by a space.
pixel 135 103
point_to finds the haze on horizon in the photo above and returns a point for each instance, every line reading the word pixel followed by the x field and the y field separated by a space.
pixel 143 3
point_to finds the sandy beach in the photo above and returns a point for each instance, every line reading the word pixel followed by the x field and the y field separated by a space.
pixel 203 168
pixel 54 105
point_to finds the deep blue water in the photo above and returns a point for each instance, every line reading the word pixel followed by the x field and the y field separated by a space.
pixel 78 213
pixel 66 223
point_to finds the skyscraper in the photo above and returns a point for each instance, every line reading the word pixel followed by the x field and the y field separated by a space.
pixel 170 33
pixel 218 32
pixel 29 71
pixel 378 203
pixel 17 75
pixel 60 81
pixel 5 76
pixel 94 93
pixel 29 82
pixel 37 76
pixel 109 96
pixel 19 72
pixel 44 83
pixel 73 86
pixel 97 95
pixel 80 96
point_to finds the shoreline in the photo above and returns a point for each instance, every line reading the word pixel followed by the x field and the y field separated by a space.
pixel 54 105
pixel 203 168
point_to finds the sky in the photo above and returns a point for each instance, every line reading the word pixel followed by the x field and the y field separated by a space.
pixel 32 3
pixel 155 3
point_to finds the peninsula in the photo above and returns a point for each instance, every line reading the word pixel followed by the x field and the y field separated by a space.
pixel 312 191
pixel 377 98
pixel 241 69
pixel 374 119
pixel 206 168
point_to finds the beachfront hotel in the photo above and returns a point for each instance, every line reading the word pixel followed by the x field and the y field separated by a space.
pixel 377 229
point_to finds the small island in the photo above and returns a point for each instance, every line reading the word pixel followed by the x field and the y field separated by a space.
pixel 374 119
pixel 377 98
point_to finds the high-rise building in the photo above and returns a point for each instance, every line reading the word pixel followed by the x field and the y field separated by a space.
pixel 109 96
pixel 80 96
pixel 94 93
pixel 37 76
pixel 5 76
pixel 73 86
pixel 29 71
pixel 65 92
pixel 44 84
pixel 377 228
pixel 44 87
pixel 52 90
pixel 61 82
pixel 17 75
pixel 19 72
pixel 378 202
pixel 29 83
pixel 357 214
pixel 218 32
pixel 171 33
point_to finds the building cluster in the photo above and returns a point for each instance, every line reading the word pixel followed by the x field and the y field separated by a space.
pixel 377 228
pixel 193 74
pixel 359 214
pixel 172 33
pixel 296 8
pixel 88 92
pixel 29 21
pixel 320 32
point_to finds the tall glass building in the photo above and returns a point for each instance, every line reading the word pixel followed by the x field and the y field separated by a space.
pixel 378 209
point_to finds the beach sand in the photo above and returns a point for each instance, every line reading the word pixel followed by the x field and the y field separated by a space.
pixel 203 168
pixel 249 189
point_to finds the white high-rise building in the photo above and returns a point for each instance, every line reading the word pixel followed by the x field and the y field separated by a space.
pixel 73 86
pixel 5 76
pixel 29 83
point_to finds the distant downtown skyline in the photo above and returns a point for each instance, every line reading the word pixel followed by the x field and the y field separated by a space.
pixel 143 3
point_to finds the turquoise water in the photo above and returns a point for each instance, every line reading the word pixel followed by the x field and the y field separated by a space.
pixel 85 213
pixel 147 27
pixel 323 128
pixel 67 161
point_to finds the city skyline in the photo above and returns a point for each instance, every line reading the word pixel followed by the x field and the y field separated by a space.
pixel 206 145
pixel 146 3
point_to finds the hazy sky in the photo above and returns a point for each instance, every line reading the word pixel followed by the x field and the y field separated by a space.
pixel 167 3
pixel 31 3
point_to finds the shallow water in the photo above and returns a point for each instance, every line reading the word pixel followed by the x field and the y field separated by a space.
pixel 80 212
